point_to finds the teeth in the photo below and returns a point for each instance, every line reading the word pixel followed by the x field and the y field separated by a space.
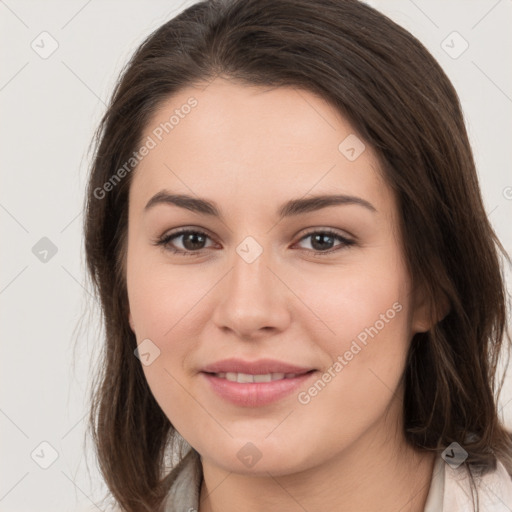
pixel 245 377
pixel 262 378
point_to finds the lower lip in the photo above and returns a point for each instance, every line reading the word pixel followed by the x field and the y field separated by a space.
pixel 255 394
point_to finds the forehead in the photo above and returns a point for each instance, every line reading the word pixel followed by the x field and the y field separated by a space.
pixel 229 140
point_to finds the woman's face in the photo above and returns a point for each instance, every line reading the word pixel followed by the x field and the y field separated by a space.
pixel 260 281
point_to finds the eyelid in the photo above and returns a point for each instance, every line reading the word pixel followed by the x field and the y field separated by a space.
pixel 334 231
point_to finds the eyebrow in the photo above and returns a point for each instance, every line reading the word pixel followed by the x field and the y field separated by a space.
pixel 291 208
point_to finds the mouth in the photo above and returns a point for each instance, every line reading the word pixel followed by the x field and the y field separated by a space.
pixel 261 368
pixel 256 390
pixel 248 377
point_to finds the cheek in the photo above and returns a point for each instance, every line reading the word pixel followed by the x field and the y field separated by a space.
pixel 168 305
pixel 368 316
pixel 361 301
pixel 161 305
pixel 162 296
pixel 368 353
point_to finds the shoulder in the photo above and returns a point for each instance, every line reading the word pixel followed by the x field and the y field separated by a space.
pixel 494 490
pixel 185 482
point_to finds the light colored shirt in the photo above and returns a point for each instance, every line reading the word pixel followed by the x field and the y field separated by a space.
pixel 449 489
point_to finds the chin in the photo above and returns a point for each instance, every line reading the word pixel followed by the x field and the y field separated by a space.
pixel 258 459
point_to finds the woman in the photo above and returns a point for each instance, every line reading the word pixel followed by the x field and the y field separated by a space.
pixel 302 294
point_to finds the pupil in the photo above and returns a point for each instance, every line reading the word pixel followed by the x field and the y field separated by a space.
pixel 319 245
pixel 194 237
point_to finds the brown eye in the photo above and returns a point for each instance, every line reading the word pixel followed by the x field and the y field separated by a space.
pixel 323 241
pixel 192 241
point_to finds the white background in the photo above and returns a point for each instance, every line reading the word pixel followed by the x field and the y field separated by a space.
pixel 49 109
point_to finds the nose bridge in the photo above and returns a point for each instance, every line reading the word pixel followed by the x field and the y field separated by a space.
pixel 251 297
pixel 250 268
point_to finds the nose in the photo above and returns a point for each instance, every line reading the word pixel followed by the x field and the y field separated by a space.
pixel 252 299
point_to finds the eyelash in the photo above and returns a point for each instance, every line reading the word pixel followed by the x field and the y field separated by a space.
pixel 166 239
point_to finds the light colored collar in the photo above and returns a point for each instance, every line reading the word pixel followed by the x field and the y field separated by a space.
pixel 449 491
pixel 434 501
pixel 184 493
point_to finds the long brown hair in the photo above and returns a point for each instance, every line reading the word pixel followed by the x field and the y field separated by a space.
pixel 400 102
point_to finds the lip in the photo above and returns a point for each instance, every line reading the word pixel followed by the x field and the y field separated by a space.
pixel 255 394
pixel 258 367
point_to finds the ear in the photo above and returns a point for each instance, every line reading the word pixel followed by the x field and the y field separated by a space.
pixel 426 314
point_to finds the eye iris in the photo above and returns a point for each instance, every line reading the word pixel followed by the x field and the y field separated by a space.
pixel 195 238
pixel 319 245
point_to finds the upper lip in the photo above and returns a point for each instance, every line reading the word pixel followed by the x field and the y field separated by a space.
pixel 258 367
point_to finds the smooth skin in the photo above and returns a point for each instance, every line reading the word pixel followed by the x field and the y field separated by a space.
pixel 249 150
